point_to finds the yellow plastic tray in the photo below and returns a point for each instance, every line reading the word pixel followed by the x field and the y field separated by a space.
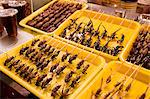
pixel 39 11
pixel 110 25
pixel 92 71
pixel 127 50
pixel 139 85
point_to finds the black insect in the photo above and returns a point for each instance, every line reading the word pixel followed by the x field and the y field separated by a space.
pixel 80 64
pixel 54 90
pixel 85 69
pixel 97 31
pixel 40 79
pixel 75 81
pixel 34 42
pixel 64 57
pixel 104 34
pixel 23 50
pixel 40 62
pixel 33 56
pixel 46 82
pixel 8 60
pixel 122 39
pixel 104 48
pixel 88 42
pixel 68 76
pixel 114 34
pixel 71 58
pixel 54 67
pixel 97 44
pixel 60 69
pixel 38 57
pixel 116 50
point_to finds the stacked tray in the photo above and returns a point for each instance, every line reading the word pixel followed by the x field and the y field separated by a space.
pixel 102 34
pixel 48 18
pixel 138 51
pixel 139 81
pixel 38 66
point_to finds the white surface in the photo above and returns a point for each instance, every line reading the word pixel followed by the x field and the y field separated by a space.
pixel 7 43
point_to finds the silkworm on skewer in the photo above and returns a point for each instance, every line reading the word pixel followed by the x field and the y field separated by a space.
pixel 46 82
pixel 8 60
pixel 68 76
pixel 40 79
pixel 44 65
pixel 54 90
pixel 26 74
pixel 29 51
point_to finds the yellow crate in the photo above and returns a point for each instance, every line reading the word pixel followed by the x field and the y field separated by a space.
pixel 127 50
pixel 138 87
pixel 110 25
pixel 95 67
pixel 39 11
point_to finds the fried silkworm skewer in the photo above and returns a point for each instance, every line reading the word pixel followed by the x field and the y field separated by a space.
pixel 54 90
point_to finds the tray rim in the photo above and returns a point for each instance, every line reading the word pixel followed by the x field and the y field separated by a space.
pixel 40 10
pixel 32 89
pixel 108 56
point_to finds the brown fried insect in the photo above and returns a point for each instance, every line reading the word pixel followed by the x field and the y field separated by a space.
pixel 75 81
pixel 15 62
pixel 19 67
pixel 34 42
pixel 60 69
pixel 29 51
pixel 65 93
pixel 39 79
pixel 80 64
pixel 8 60
pixel 99 90
pixel 122 39
pixel 23 71
pixel 31 76
pixel 71 58
pixel 85 69
pixel 54 90
pixel 64 57
pixel 21 52
pixel 54 67
pixel 46 82
pixel 41 43
pixel 55 55
pixel 144 94
pixel 68 76
pixel 27 73
pixel 51 51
